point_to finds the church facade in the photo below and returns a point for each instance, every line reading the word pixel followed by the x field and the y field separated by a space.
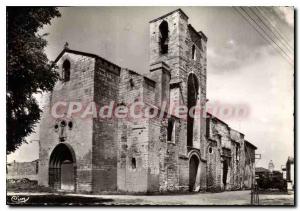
pixel 164 153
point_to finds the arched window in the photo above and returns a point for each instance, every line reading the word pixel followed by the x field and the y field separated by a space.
pixel 164 37
pixel 66 70
pixel 193 95
pixel 194 53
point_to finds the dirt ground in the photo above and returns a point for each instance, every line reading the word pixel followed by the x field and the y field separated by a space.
pixel 224 198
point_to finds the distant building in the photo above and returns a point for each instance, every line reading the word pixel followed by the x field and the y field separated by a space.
pixel 271 166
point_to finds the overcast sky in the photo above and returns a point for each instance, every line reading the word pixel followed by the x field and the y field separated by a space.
pixel 243 68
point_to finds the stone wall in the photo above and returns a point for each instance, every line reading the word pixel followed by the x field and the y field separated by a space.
pixel 80 88
pixel 133 135
pixel 19 170
pixel 249 166
pixel 227 145
pixel 164 166
pixel 214 165
pixel 105 142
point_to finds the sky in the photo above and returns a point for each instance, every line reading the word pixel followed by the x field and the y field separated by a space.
pixel 243 68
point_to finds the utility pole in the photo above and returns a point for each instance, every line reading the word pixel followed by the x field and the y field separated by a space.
pixel 254 187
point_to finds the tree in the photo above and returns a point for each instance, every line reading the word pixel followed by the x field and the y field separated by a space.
pixel 28 70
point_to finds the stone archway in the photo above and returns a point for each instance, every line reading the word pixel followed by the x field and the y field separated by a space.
pixel 194 173
pixel 62 168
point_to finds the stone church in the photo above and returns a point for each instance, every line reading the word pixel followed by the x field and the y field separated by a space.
pixel 146 155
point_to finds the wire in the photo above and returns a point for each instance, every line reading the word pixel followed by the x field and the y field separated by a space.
pixel 286 45
pixel 263 35
pixel 275 28
pixel 277 34
pixel 265 32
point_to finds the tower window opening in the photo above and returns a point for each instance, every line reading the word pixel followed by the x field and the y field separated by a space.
pixel 66 70
pixel 164 37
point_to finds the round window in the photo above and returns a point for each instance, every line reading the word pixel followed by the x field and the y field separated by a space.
pixel 63 123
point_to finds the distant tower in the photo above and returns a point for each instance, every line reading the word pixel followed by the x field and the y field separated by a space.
pixel 271 166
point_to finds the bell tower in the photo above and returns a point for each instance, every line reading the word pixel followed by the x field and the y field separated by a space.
pixel 176 44
pixel 167 35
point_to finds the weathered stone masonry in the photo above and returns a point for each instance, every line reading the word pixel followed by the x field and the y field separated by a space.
pixel 168 154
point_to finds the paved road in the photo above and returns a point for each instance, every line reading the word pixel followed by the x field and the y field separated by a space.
pixel 224 198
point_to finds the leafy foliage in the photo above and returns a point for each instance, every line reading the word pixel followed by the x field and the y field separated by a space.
pixel 28 70
pixel 273 180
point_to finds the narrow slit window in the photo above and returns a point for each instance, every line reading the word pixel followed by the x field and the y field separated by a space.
pixel 131 83
pixel 194 53
pixel 133 163
pixel 237 153
pixel 66 70
pixel 171 130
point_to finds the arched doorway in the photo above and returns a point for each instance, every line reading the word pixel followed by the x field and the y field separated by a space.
pixel 192 97
pixel 193 172
pixel 62 168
